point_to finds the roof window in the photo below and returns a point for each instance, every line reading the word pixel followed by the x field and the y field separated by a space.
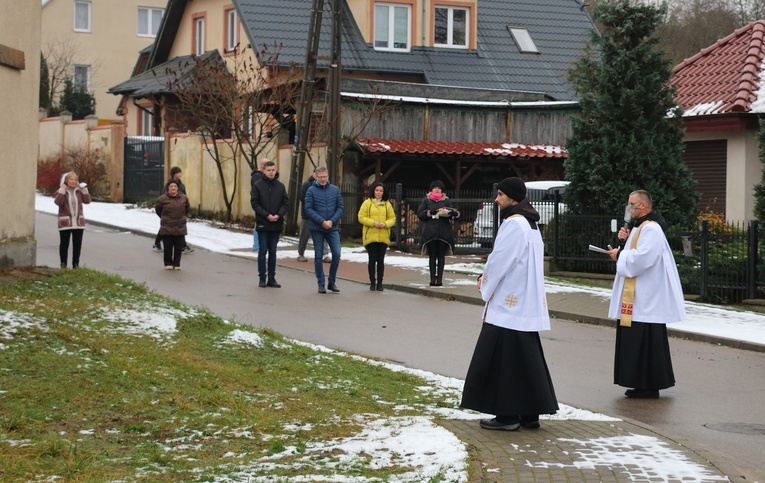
pixel 523 40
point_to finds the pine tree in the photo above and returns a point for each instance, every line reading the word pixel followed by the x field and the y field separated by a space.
pixel 77 101
pixel 629 135
pixel 45 100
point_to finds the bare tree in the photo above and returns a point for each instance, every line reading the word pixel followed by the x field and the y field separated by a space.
pixel 61 57
pixel 241 104
pixel 692 25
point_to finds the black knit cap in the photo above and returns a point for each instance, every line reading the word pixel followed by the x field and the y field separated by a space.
pixel 513 188
pixel 437 183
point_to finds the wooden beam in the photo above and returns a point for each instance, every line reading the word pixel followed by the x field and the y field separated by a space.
pixel 12 57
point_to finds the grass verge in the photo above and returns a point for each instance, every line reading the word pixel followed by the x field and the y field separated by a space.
pixel 103 380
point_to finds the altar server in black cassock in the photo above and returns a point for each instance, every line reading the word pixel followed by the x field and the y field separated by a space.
pixel 508 375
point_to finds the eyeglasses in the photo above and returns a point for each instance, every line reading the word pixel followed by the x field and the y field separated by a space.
pixel 635 205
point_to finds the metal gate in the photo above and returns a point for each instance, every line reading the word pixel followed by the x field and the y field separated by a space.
pixel 144 167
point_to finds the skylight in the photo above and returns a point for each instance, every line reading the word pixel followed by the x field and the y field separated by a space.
pixel 523 40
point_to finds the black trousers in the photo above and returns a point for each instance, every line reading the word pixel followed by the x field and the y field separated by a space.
pixel 437 252
pixel 173 249
pixel 63 247
pixel 376 264
pixel 158 240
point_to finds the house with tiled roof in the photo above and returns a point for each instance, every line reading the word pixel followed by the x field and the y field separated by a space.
pixel 721 90
pixel 488 72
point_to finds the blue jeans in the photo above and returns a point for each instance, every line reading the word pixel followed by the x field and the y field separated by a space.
pixel 267 241
pixel 255 240
pixel 332 238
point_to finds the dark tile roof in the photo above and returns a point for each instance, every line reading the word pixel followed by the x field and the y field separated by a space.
pixel 400 146
pixel 725 77
pixel 157 79
pixel 559 28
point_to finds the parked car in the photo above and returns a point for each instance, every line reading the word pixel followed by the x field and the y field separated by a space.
pixel 541 195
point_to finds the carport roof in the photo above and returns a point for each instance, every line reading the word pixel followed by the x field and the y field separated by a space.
pixel 400 146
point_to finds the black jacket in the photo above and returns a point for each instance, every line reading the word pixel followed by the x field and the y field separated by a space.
pixel 269 197
pixel 436 228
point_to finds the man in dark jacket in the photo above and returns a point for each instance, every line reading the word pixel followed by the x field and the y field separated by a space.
pixel 304 231
pixel 269 200
pixel 255 176
pixel 324 207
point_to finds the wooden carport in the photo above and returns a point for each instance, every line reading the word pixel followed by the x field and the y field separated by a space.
pixel 457 162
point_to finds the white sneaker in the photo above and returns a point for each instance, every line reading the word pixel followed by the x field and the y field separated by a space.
pixel 327 259
pixel 301 258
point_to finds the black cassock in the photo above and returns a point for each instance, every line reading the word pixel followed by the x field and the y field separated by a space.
pixel 508 375
pixel 642 358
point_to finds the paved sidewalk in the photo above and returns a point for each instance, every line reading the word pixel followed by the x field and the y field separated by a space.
pixel 561 451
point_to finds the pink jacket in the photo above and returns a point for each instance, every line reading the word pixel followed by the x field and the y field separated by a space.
pixel 69 201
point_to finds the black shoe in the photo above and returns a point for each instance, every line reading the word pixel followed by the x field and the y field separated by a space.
pixel 438 282
pixel 432 281
pixel 157 248
pixel 187 249
pixel 372 286
pixel 642 393
pixel 379 287
pixel 333 287
pixel 494 424
pixel 322 289
pixel 530 422
pixel 272 283
pixel 262 282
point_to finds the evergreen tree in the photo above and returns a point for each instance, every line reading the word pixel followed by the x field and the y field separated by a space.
pixel 77 101
pixel 45 101
pixel 629 135
pixel 759 188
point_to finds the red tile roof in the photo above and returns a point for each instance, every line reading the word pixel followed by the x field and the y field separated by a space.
pixel 725 77
pixel 370 145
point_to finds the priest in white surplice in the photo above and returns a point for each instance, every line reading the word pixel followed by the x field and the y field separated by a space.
pixel 646 296
pixel 508 375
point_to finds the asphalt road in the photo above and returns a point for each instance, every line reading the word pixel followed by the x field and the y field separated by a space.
pixel 717 406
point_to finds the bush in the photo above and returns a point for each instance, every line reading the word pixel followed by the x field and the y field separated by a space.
pixel 87 164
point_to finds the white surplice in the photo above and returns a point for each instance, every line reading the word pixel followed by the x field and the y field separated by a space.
pixel 513 284
pixel 658 292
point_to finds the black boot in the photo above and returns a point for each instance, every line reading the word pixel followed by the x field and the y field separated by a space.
pixel 262 282
pixel 272 283
pixel 379 286
pixel 432 280
pixel 438 282
pixel 371 284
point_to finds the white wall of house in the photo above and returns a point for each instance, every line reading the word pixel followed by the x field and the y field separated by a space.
pixel 19 78
pixel 744 170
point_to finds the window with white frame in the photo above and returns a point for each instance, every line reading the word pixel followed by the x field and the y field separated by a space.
pixel 232 30
pixel 451 27
pixel 392 26
pixel 149 20
pixel 523 40
pixel 146 122
pixel 81 81
pixel 81 16
pixel 199 36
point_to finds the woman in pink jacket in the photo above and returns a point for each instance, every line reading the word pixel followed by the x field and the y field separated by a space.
pixel 71 220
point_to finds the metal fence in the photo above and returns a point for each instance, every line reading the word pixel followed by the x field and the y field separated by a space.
pixel 722 262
